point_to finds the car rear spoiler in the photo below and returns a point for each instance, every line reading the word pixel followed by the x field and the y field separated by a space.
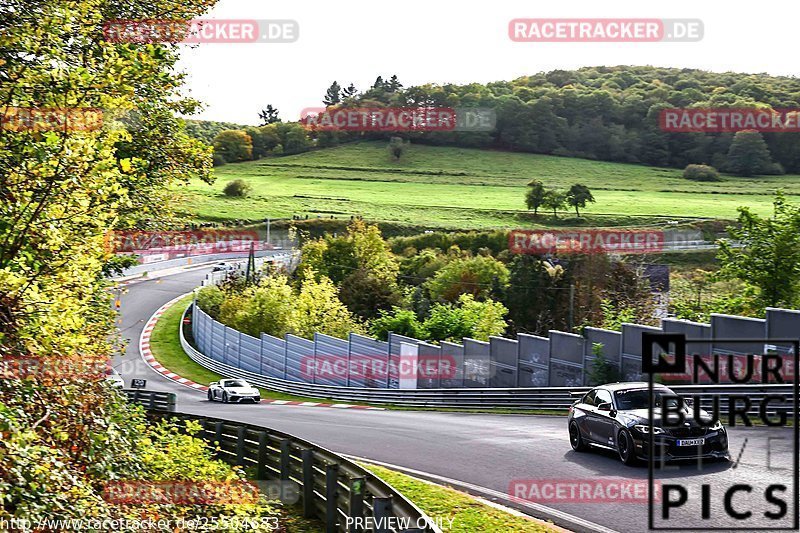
pixel 577 394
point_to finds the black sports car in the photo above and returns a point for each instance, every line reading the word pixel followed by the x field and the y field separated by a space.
pixel 615 416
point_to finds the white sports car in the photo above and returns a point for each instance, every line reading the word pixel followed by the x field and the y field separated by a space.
pixel 233 390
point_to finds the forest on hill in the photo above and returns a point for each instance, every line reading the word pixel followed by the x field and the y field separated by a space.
pixel 603 113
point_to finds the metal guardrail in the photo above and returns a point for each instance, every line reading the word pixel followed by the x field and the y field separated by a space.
pixel 152 400
pixel 554 399
pixel 331 487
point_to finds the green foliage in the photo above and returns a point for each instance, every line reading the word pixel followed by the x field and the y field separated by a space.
pixel 696 294
pixel 209 299
pixel 275 308
pixel 477 320
pixel 578 196
pixel 476 276
pixel 233 145
pixel 534 196
pixel 360 263
pixel 206 130
pixel 320 310
pixel 269 115
pixel 237 189
pixel 332 95
pixel 396 147
pixel 555 200
pixel 749 155
pixel 399 321
pixel 264 308
pixel 602 370
pixel 614 316
pixel 768 257
pixel 701 173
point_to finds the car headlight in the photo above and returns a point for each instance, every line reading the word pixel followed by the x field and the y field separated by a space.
pixel 717 425
pixel 643 428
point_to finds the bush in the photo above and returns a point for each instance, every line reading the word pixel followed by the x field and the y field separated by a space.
pixel 701 173
pixel 219 160
pixel 237 188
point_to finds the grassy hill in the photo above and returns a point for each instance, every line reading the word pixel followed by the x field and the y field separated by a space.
pixel 468 188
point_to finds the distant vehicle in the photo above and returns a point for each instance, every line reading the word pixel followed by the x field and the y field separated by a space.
pixel 223 267
pixel 114 379
pixel 615 416
pixel 233 390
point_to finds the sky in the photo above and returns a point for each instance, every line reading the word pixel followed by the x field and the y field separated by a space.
pixel 430 41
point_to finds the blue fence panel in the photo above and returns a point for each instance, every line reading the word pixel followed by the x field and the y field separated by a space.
pixel 504 360
pixel 477 363
pixel 232 347
pixel 299 359
pixel 369 362
pixel 737 327
pixel 273 356
pixel 632 351
pixel 611 342
pixel 783 324
pixel 453 354
pixel 250 353
pixel 332 360
pixel 394 356
pixel 534 360
pixel 428 365
pixel 218 342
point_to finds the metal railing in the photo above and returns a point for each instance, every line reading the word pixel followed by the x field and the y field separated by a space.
pixel 331 487
pixel 553 399
pixel 152 400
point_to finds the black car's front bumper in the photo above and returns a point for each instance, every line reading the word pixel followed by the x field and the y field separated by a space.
pixel 665 446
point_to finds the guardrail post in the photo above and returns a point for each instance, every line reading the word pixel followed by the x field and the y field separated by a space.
pixel 286 457
pixel 356 503
pixel 241 433
pixel 171 402
pixel 218 433
pixel 331 498
pixel 261 466
pixel 381 511
pixel 308 483
pixel 151 403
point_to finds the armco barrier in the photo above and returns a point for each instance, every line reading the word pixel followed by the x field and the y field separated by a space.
pixel 152 400
pixel 330 487
pixel 553 399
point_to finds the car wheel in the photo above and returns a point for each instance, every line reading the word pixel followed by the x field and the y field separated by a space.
pixel 224 397
pixel 575 438
pixel 210 396
pixel 625 447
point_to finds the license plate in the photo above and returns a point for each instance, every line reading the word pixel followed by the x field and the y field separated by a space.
pixel 692 442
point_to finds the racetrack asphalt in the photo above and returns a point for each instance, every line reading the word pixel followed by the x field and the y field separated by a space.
pixel 491 450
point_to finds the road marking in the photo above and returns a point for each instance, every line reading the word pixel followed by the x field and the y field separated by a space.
pixel 740 453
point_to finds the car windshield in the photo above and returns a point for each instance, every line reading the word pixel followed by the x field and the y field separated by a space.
pixel 638 399
pixel 236 383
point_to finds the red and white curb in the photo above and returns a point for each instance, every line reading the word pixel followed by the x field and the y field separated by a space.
pixel 147 355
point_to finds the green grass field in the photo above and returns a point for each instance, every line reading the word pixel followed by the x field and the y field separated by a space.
pixel 465 188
